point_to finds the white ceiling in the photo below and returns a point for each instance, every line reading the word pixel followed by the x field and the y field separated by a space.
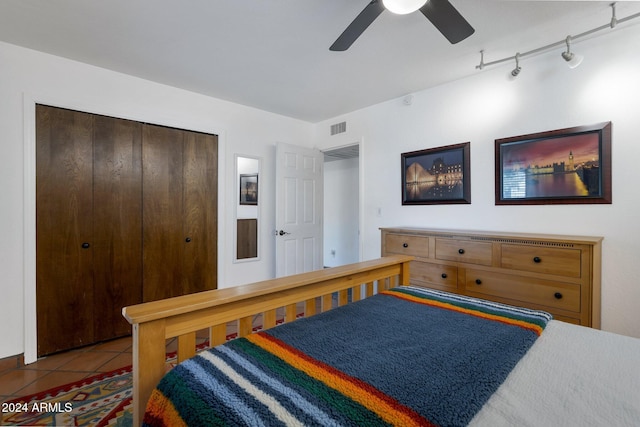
pixel 274 54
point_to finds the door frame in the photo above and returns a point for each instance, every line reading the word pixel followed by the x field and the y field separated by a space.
pixel 360 143
pixel 29 194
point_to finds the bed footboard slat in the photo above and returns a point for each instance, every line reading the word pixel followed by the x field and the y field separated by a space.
pixel 356 293
pixel 327 302
pixel 343 297
pixel 186 346
pixel 369 290
pixel 245 326
pixel 269 319
pixel 218 334
pixel 310 307
pixel 291 312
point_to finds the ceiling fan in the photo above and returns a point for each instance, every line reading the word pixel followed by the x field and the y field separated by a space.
pixel 441 13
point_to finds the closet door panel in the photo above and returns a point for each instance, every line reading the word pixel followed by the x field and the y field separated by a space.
pixel 200 212
pixel 162 234
pixel 117 244
pixel 64 276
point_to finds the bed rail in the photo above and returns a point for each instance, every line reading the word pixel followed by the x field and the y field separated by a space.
pixel 181 317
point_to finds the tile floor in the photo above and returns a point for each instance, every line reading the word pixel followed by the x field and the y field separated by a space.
pixel 63 368
pixel 74 365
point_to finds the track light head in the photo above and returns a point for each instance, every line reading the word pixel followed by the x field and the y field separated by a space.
pixel 572 59
pixel 516 70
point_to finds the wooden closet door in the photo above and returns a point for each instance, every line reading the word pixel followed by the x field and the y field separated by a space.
pixel 180 191
pixel 200 174
pixel 162 235
pixel 117 242
pixel 64 212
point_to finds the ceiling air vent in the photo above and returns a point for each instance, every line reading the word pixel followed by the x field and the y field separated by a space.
pixel 338 128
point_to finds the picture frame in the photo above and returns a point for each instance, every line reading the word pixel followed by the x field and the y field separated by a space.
pixel 438 175
pixel 249 189
pixel 563 166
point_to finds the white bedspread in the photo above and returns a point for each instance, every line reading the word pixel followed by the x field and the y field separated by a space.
pixel 572 376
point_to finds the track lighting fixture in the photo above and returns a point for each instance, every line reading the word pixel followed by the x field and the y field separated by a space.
pixel 516 70
pixel 573 60
pixel 402 7
pixel 614 20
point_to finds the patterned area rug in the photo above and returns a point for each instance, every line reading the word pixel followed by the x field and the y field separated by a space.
pixel 100 400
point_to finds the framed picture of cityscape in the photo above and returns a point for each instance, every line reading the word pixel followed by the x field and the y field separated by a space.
pixel 436 176
pixel 564 166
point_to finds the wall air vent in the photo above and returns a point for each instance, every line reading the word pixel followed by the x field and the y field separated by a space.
pixel 338 128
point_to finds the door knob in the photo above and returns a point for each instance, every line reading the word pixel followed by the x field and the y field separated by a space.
pixel 282 232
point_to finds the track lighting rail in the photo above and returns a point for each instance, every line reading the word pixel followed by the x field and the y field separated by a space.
pixel 614 21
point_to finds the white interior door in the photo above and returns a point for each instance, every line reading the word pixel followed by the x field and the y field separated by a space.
pixel 299 190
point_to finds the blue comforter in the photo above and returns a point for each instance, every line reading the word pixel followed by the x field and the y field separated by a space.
pixel 407 356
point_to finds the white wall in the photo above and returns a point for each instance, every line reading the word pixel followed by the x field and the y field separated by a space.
pixel 547 95
pixel 341 212
pixel 27 76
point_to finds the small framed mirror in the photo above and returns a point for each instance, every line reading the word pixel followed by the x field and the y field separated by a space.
pixel 247 204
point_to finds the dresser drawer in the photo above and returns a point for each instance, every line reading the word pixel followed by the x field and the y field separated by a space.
pixel 557 261
pixel 443 277
pixel 417 246
pixel 559 295
pixel 464 251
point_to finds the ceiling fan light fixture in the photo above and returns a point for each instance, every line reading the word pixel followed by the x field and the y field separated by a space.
pixel 402 7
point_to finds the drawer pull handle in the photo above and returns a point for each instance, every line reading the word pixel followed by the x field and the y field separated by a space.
pixel 460 251
pixel 536 259
pixel 558 295
pixel 85 245
pixel 478 282
pixel 405 245
pixel 444 275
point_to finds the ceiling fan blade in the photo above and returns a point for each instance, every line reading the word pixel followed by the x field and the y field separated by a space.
pixel 357 27
pixel 447 20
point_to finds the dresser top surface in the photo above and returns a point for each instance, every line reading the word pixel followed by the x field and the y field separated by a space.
pixel 453 233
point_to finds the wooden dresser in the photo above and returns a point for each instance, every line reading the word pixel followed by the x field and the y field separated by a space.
pixel 558 274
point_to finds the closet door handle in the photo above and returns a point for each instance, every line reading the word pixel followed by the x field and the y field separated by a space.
pixel 85 245
pixel 188 239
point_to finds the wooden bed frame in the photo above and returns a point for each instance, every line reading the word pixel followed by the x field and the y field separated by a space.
pixel 181 317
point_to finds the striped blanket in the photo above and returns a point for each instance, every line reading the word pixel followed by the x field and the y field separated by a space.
pixel 407 356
